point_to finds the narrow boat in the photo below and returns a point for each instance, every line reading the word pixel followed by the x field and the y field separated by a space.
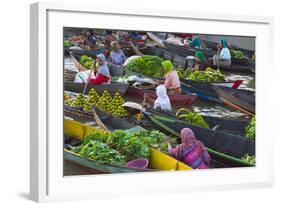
pixel 206 91
pixel 68 51
pixel 223 147
pixel 186 98
pixel 111 88
pixel 243 101
pixel 158 161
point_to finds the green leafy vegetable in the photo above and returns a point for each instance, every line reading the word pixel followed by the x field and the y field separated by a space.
pixel 86 61
pixel 237 54
pixel 251 129
pixel 67 44
pixel 147 65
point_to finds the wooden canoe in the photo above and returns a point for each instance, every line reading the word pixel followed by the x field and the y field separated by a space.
pixel 243 101
pixel 186 98
pixel 158 161
pixel 68 51
pixel 206 91
pixel 226 148
pixel 111 88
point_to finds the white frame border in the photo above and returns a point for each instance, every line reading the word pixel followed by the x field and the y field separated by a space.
pixel 38 79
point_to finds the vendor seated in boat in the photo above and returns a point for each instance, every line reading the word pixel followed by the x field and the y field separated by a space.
pixel 162 102
pixel 101 75
pixel 201 62
pixel 191 151
pixel 223 57
pixel 116 57
pixel 172 81
pixel 196 42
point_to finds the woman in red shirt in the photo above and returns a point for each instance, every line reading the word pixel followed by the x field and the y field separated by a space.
pixel 102 74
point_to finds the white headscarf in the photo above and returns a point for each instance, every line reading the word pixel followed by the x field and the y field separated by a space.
pixel 103 68
pixel 162 99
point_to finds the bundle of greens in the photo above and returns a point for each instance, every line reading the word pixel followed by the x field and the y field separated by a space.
pixel 132 145
pixel 209 75
pixel 67 44
pixel 251 129
pixel 146 65
pixel 192 118
pixel 86 61
pixel 237 54
pixel 100 152
pixel 249 159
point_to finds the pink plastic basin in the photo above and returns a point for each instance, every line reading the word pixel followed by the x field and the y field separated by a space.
pixel 140 163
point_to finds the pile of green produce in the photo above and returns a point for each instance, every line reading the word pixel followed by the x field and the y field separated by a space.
pixel 132 145
pixel 249 159
pixel 209 75
pixel 146 65
pixel 237 54
pixel 192 118
pixel 67 44
pixel 100 152
pixel 86 61
pixel 253 57
pixel 251 129
pixel 103 102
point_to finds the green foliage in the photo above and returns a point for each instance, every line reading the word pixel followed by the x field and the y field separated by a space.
pixel 237 54
pixel 192 118
pixel 100 152
pixel 130 145
pixel 209 75
pixel 147 65
pixel 249 159
pixel 251 129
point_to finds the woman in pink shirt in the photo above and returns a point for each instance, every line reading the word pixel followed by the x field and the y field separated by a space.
pixel 172 81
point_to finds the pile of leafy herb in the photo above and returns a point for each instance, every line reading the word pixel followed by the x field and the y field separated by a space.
pixel 147 65
pixel 192 118
pixel 131 145
pixel 209 75
pixel 249 159
pixel 237 54
pixel 100 152
pixel 251 129
pixel 67 44
pixel 86 61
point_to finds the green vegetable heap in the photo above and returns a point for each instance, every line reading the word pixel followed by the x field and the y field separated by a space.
pixel 147 65
pixel 104 102
pixel 192 118
pixel 67 44
pixel 249 159
pixel 209 75
pixel 86 61
pixel 251 129
pixel 237 54
pixel 120 146
pixel 99 152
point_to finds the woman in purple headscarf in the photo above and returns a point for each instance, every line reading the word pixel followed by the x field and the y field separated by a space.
pixel 191 151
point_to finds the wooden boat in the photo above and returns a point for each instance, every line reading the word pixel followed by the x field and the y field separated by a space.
pixel 158 160
pixel 243 101
pixel 186 98
pixel 206 91
pixel 68 51
pixel 111 88
pixel 180 60
pixel 223 147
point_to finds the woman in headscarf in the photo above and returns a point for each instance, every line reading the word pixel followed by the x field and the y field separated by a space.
pixel 190 151
pixel 116 57
pixel 172 81
pixel 223 57
pixel 201 61
pixel 162 103
pixel 102 74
